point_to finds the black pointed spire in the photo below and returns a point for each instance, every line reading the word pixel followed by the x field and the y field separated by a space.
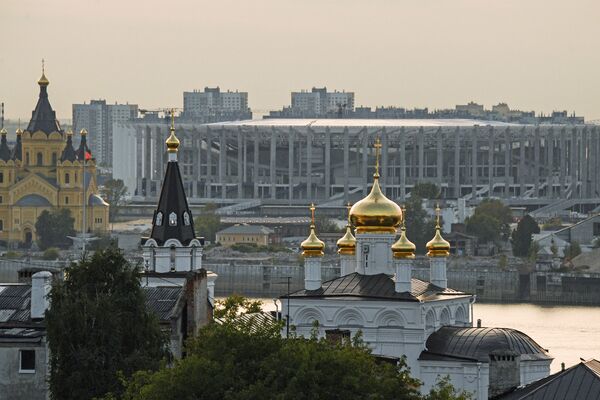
pixel 173 218
pixel 83 152
pixel 17 152
pixel 4 149
pixel 43 118
pixel 68 153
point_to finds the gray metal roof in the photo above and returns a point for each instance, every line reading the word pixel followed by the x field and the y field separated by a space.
pixel 580 382
pixel 380 286
pixel 33 200
pixel 246 229
pixel 162 300
pixel 478 343
pixel 14 303
pixel 358 122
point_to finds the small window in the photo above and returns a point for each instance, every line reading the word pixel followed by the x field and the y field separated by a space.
pixel 27 158
pixel 67 178
pixel 1 199
pixel 40 159
pixel 173 219
pixel 27 361
pixel 54 158
pixel 1 225
pixel 1 177
pixel 66 199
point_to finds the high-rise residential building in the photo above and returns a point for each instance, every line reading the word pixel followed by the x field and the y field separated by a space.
pixel 320 102
pixel 98 118
pixel 212 105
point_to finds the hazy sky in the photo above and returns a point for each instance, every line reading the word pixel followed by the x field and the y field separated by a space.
pixel 533 54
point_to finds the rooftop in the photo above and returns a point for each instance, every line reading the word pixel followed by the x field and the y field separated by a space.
pixel 323 122
pixel 246 229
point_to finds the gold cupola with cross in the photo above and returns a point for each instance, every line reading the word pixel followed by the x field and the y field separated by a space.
pixel 347 243
pixel 376 213
pixel 438 246
pixel 312 246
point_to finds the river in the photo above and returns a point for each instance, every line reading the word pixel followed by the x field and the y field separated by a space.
pixel 568 332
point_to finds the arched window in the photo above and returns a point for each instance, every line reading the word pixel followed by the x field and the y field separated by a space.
pixel 27 158
pixel 40 159
pixel 1 225
pixel 54 158
pixel 67 178
pixel 1 177
pixel 172 258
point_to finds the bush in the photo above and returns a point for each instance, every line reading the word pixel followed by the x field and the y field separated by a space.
pixel 51 253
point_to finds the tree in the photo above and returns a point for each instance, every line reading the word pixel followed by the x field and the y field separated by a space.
pixel 425 190
pixel 572 250
pixel 208 223
pixel 239 360
pixel 420 228
pixel 521 237
pixel 490 221
pixel 443 390
pixel 99 328
pixel 114 192
pixel 53 227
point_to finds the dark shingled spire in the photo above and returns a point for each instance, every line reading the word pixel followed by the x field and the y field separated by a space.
pixel 83 147
pixel 68 153
pixel 4 149
pixel 173 218
pixel 43 118
pixel 17 153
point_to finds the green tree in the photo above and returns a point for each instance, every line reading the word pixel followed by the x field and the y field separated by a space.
pixel 53 227
pixel 443 390
pixel 420 228
pixel 490 222
pixel 208 223
pixel 553 224
pixel 240 360
pixel 114 192
pixel 51 253
pixel 521 237
pixel 99 328
pixel 425 190
pixel 572 250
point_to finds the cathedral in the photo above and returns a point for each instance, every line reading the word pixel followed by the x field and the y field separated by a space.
pixel 427 323
pixel 43 171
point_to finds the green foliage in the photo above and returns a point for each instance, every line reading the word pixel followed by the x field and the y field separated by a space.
pixel 208 223
pixel 98 327
pixel 553 224
pixel 13 255
pixel 254 248
pixel 53 227
pixel 234 361
pixel 103 240
pixel 234 305
pixel 420 228
pixel 572 250
pixel 490 221
pixel 324 224
pixel 114 192
pixel 443 390
pixel 521 237
pixel 51 253
pixel 426 190
pixel 533 251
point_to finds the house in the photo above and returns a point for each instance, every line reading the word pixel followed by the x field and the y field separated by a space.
pixel 244 234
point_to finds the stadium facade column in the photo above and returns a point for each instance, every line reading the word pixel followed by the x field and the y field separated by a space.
pixel 309 137
pixel 255 162
pixel 222 159
pixel 457 163
pixel 383 180
pixel 273 163
pixel 563 162
pixel 491 152
pixel 402 164
pixel 139 156
pixel 584 163
pixel 440 157
pixel 421 160
pixel 291 164
pixel 507 159
pixel 346 164
pixel 550 163
pixel 474 148
pixel 522 174
pixel 240 163
pixel 574 161
pixel 365 159
pixel 536 161
pixel 327 171
pixel 209 157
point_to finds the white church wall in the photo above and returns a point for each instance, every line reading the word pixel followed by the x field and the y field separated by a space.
pixel 374 254
pixel 473 377
pixel 533 370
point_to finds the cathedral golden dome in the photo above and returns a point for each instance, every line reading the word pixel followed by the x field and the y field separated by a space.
pixel 19 131
pixel 347 243
pixel 3 131
pixel 438 246
pixel 312 246
pixel 403 248
pixel 43 80
pixel 83 132
pixel 376 213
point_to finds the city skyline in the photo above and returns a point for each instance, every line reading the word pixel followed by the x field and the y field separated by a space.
pixel 411 54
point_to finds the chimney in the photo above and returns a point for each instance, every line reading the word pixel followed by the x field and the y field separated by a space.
pixel 196 293
pixel 41 283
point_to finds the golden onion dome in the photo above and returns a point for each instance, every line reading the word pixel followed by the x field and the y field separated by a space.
pixel 3 132
pixel 83 132
pixel 172 142
pixel 19 131
pixel 347 243
pixel 312 246
pixel 376 213
pixel 438 246
pixel 404 248
pixel 43 80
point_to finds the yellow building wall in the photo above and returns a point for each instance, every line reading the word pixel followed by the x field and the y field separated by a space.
pixel 229 239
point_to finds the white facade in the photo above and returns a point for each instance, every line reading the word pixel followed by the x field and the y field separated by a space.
pixel 212 101
pixel 319 101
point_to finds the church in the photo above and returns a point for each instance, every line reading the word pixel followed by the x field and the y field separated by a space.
pixel 42 171
pixel 428 323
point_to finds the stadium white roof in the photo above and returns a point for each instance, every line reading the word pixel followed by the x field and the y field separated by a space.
pixel 324 122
